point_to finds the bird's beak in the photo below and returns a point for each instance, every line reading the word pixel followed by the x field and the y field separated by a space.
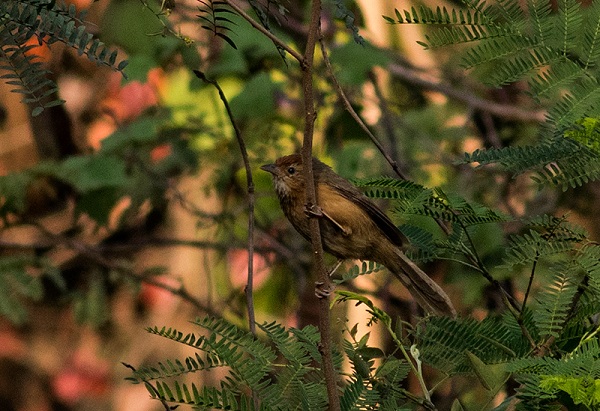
pixel 271 168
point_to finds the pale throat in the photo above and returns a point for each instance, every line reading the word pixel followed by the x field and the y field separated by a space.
pixel 284 190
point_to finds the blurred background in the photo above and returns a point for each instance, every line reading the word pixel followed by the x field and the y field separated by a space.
pixel 126 207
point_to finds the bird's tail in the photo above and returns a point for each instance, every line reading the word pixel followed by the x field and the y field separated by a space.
pixel 425 291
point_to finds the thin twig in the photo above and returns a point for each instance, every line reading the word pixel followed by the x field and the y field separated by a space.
pixel 278 42
pixel 250 190
pixel 325 346
pixel 386 119
pixel 348 106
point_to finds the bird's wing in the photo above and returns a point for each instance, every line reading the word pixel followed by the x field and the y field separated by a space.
pixel 381 219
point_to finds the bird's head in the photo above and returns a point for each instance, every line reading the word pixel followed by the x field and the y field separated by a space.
pixel 287 175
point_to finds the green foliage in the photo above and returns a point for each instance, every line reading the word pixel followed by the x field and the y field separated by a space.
pixel 283 371
pixel 546 236
pixel 492 341
pixel 282 368
pixel 414 199
pixel 577 374
pixel 21 279
pixel 366 267
pixel 356 61
pixel 212 17
pixel 555 303
pixel 558 161
pixel 411 199
pixel 343 13
pixel 122 168
pixel 252 366
pixel 25 24
pixel 530 42
pixel 555 52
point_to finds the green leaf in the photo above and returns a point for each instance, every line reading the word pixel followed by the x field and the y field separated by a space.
pixel 138 66
pixel 98 203
pixel 87 173
pixel 37 111
pixel 91 307
pixel 353 62
pixel 457 406
pixel 14 190
pixel 142 131
pixel 491 376
pixel 257 99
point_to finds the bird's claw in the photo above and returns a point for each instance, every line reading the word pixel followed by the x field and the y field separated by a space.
pixel 323 290
pixel 313 210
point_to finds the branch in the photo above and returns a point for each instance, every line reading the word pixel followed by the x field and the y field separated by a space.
pixel 386 120
pixel 96 256
pixel 278 42
pixel 354 114
pixel 324 281
pixel 250 185
pixel 427 81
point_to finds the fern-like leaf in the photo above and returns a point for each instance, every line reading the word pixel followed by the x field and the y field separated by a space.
pixel 559 161
pixel 212 17
pixel 553 51
pixel 445 342
pixel 555 302
pixel 22 24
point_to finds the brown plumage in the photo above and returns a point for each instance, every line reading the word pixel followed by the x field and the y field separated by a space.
pixel 352 226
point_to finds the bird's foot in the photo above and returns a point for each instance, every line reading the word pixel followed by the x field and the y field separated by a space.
pixel 323 290
pixel 313 210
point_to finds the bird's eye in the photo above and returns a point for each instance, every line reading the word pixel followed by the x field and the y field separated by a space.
pixel 291 170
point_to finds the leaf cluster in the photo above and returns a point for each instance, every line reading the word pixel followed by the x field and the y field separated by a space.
pixel 282 370
pixel 283 374
pixel 574 377
pixel 124 167
pixel 212 17
pixel 457 215
pixel 555 50
pixel 558 161
pixel 27 24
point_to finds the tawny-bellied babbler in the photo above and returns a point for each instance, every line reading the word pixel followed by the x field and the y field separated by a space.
pixel 352 226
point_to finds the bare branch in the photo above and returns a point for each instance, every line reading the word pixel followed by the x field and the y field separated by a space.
pixel 324 281
pixel 429 82
pixel 93 254
pixel 250 189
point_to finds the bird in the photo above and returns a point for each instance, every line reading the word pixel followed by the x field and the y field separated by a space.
pixel 352 226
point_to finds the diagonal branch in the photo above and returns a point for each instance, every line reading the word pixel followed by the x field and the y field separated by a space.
pixel 93 254
pixel 427 81
pixel 354 114
pixel 278 42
